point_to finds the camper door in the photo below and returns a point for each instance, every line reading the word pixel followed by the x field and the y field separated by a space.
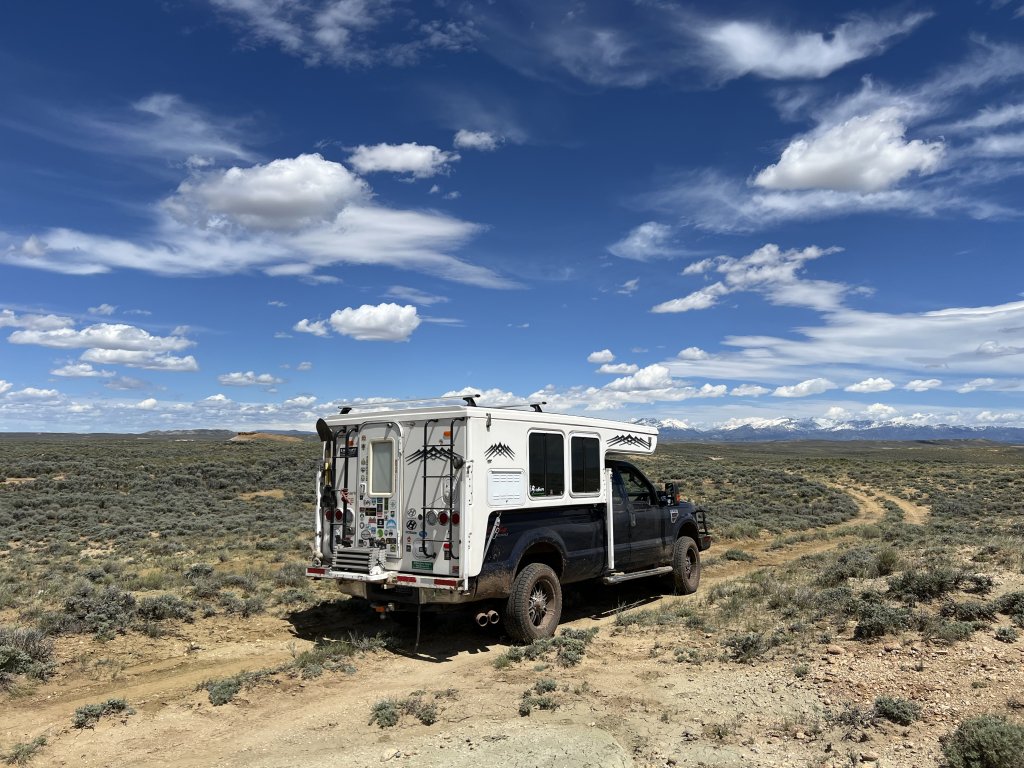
pixel 378 496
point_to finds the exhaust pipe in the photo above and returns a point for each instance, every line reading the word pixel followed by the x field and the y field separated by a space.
pixel 481 619
pixel 493 617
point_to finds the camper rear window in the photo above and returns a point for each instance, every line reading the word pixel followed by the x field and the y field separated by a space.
pixel 382 468
pixel 586 466
pixel 547 464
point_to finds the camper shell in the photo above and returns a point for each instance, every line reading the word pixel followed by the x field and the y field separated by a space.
pixel 426 506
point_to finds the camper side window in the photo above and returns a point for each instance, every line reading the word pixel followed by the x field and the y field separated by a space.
pixel 547 464
pixel 382 468
pixel 586 465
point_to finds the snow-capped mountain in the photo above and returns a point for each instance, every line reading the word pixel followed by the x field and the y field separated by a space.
pixel 826 429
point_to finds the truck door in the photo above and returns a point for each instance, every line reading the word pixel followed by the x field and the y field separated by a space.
pixel 378 518
pixel 643 517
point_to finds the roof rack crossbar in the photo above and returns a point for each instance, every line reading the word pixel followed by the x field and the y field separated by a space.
pixel 535 406
pixel 347 407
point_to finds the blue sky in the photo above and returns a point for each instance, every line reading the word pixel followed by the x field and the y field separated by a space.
pixel 240 213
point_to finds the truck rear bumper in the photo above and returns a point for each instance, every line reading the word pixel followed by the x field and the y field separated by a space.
pixel 433 589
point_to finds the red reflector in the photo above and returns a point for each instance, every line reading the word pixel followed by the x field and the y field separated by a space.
pixel 338 514
pixel 406 579
pixel 443 518
pixel 447 545
pixel 446 582
pixel 317 571
pixel 455 518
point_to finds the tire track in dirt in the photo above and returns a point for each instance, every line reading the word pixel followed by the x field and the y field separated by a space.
pixel 176 715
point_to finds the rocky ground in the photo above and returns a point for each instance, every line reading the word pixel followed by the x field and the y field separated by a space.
pixel 641 696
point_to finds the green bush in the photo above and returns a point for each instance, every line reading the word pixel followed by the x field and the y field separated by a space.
pixel 926 583
pixel 90 714
pixel 104 612
pixel 876 619
pixel 987 741
pixel 1007 634
pixel 21 753
pixel 164 607
pixel 899 711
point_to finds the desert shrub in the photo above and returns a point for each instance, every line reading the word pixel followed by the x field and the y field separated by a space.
pixel 90 714
pixel 1011 604
pixel 949 631
pixel 164 607
pixel 104 612
pixel 987 741
pixel 969 610
pixel 737 554
pixel 242 606
pixel 291 575
pixel 223 690
pixel 1006 634
pixel 747 646
pixel 387 712
pixel 539 696
pixel 21 753
pixel 876 618
pixel 569 648
pixel 26 651
pixel 896 710
pixel 926 583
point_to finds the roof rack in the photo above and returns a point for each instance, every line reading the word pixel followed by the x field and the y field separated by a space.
pixel 469 400
pixel 535 406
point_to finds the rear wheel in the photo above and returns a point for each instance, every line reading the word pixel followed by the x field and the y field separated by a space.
pixel 534 607
pixel 686 565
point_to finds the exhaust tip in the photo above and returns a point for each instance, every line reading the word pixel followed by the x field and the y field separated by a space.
pixel 493 617
pixel 482 619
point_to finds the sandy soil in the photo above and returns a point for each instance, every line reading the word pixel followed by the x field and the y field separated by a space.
pixel 629 703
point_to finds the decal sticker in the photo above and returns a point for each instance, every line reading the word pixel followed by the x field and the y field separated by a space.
pixel 348 453
pixel 499 449
pixel 411 525
pixel 420 565
pixel 630 440
pixel 434 452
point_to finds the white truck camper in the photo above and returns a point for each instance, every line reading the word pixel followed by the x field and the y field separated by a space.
pixel 421 507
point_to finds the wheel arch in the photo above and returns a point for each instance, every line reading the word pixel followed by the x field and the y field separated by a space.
pixel 546 550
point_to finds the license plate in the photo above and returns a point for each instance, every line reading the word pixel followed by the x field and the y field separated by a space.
pixel 423 566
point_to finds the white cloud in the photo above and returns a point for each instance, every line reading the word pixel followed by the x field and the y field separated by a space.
pixel 289 193
pixel 874 384
pixel 9 319
pixel 302 401
pixel 421 161
pixel 147 405
pixel 866 153
pixel 749 390
pixel 619 368
pixel 974 384
pixel 304 366
pixel 805 388
pixel 81 371
pixel 693 353
pixel 102 336
pixel 485 141
pixel 652 377
pixel 154 361
pixel 276 303
pixel 770 271
pixel 999 145
pixel 383 322
pixel 415 296
pixel 992 417
pixel 836 413
pixel 248 379
pixel 989 117
pixel 880 411
pixel 103 309
pixel 650 240
pixel 741 47
pixel 5 386
pixel 33 394
pixel 629 287
pixel 315 327
pixel 601 356
pixel 291 217
pixel 922 385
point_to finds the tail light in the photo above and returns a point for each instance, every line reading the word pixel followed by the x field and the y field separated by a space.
pixel 339 515
pixel 455 518
pixel 442 518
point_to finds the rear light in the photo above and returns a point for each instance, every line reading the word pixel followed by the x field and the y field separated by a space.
pixel 443 518
pixel 455 518
pixel 339 515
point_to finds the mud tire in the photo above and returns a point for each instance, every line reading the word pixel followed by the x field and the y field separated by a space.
pixel 534 606
pixel 686 565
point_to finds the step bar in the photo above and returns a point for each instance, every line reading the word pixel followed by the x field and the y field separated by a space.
pixel 619 577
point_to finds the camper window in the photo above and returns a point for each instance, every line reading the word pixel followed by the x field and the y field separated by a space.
pixel 586 464
pixel 547 464
pixel 382 467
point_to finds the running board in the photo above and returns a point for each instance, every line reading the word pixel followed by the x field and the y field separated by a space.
pixel 615 578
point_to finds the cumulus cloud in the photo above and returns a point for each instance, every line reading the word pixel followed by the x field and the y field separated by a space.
pixel 283 194
pixel 383 322
pixel 836 413
pixel 419 160
pixel 484 141
pixel 880 411
pixel 248 379
pixel 922 385
pixel 652 377
pixel 32 394
pixel 975 384
pixel 769 271
pixel 5 386
pixel 103 309
pixel 81 371
pixel 601 356
pixel 737 48
pixel 693 353
pixel 314 327
pixel 147 405
pixel 619 368
pixel 805 388
pixel 749 390
pixel 874 384
pixel 867 153
pixel 648 241
pixel 9 319
pixel 111 336
pixel 994 417
pixel 154 361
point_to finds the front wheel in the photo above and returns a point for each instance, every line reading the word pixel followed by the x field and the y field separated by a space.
pixel 534 606
pixel 686 565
